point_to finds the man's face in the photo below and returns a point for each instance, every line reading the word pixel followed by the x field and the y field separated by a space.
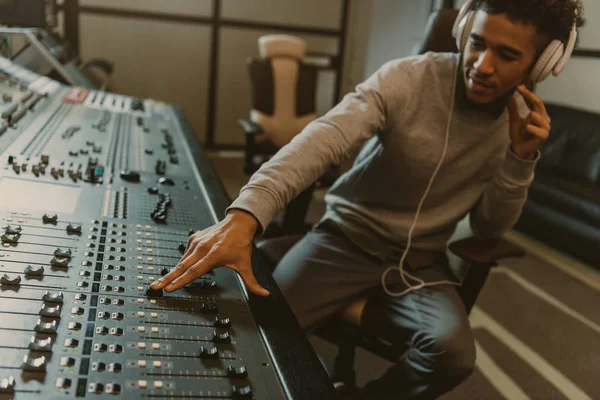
pixel 497 57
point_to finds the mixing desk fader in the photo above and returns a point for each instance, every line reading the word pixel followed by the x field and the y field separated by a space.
pixel 100 193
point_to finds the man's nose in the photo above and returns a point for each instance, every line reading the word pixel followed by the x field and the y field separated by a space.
pixel 485 63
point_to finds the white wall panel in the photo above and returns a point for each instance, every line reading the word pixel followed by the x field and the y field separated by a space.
pixel 233 92
pixel 161 60
pixel 310 13
pixel 590 33
pixel 183 7
pixel 578 85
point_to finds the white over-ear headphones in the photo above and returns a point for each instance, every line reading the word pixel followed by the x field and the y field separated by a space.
pixel 552 60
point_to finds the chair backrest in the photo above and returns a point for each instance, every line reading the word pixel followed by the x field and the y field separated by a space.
pixel 438 32
pixel 283 88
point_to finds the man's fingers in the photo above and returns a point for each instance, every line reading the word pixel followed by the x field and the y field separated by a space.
pixel 513 112
pixel 251 282
pixel 539 120
pixel 540 134
pixel 533 101
pixel 198 269
pixel 168 278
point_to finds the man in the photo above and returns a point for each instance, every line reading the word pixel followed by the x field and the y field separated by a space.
pixel 446 140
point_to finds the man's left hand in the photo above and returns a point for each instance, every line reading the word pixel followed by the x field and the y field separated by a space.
pixel 528 134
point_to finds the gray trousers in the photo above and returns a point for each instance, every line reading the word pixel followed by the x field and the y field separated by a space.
pixel 325 271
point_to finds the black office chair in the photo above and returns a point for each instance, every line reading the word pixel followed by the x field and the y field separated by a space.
pixel 480 254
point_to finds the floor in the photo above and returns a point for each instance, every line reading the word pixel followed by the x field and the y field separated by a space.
pixel 536 323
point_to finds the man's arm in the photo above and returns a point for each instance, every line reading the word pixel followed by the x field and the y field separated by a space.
pixel 324 142
pixel 501 204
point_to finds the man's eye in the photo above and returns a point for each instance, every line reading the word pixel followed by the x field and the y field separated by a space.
pixel 508 57
pixel 476 44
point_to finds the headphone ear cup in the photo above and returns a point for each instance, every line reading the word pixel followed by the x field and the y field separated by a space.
pixel 464 30
pixel 550 57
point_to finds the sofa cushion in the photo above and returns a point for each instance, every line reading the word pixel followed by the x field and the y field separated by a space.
pixel 577 200
pixel 573 148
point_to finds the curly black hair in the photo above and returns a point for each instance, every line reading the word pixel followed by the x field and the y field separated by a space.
pixel 553 18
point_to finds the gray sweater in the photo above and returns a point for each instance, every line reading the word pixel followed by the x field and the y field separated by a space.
pixel 402 111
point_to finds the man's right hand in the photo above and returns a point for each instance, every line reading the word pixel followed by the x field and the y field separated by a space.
pixel 227 243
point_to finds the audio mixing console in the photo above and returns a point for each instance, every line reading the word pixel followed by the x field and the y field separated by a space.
pixel 98 195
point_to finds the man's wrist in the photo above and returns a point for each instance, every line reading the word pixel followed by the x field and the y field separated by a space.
pixel 240 217
pixel 524 156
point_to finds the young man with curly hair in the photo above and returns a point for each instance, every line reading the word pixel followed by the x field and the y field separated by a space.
pixel 446 139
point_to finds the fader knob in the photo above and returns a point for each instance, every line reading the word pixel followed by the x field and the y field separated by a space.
pixel 237 372
pixel 42 345
pixel 242 392
pixel 209 353
pixel 7 385
pixel 34 364
pixel 62 252
pixel 74 228
pixel 50 297
pixel 153 292
pixel 10 280
pixel 47 311
pixel 50 218
pixel 13 229
pixel 10 238
pixel 221 337
pixel 34 270
pixel 182 247
pixel 45 327
pixel 164 271
pixel 222 322
pixel 59 262
pixel 130 176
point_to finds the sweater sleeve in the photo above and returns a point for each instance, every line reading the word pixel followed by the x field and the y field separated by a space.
pixel 501 203
pixel 324 142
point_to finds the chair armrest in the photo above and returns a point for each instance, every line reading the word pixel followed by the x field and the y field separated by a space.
pixel 250 128
pixel 481 250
